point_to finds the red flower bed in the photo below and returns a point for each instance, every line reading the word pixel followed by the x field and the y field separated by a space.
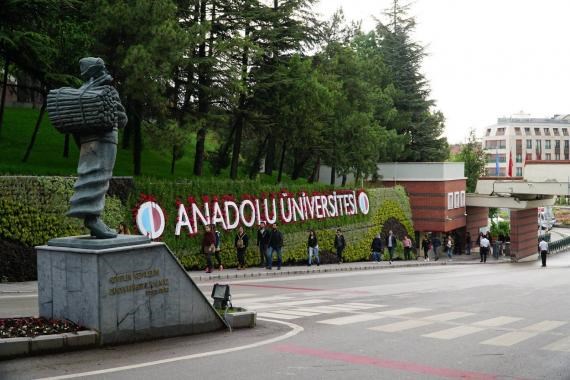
pixel 30 327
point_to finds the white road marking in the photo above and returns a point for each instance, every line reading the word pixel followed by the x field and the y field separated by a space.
pixel 365 305
pixel 342 307
pixel 455 332
pixel 2 296
pixel 499 321
pixel 278 316
pixel 562 345
pixel 401 326
pixel 257 307
pixel 295 312
pixel 544 326
pixel 404 311
pixel 351 319
pixel 448 316
pixel 267 299
pixel 296 329
pixel 325 309
pixel 303 302
pixel 509 339
pixel 243 295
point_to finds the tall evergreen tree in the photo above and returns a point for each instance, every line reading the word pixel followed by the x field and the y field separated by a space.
pixel 416 117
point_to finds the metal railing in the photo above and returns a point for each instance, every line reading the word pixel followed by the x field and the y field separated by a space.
pixel 559 245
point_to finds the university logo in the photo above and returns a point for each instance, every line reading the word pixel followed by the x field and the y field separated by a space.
pixel 150 220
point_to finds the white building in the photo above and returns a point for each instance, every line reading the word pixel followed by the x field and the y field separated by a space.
pixel 524 139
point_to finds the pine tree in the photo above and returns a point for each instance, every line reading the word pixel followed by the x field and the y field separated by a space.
pixel 416 118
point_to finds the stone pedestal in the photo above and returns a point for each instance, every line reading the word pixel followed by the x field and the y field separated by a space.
pixel 126 292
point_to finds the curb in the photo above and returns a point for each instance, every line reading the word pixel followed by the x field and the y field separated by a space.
pixel 332 269
pixel 14 347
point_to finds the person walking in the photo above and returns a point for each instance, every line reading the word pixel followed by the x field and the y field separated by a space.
pixel 426 244
pixel 275 245
pixel 436 243
pixel 313 248
pixel 390 244
pixel 262 243
pixel 468 243
pixel 241 242
pixel 208 246
pixel 339 244
pixel 449 247
pixel 377 248
pixel 407 242
pixel 543 248
pixel 484 245
pixel 218 247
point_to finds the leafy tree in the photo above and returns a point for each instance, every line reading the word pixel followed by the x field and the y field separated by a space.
pixel 416 118
pixel 142 44
pixel 474 158
pixel 23 41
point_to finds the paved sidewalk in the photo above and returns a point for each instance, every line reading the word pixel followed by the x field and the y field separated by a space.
pixel 31 287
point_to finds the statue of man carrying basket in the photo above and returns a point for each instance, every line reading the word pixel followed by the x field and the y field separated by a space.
pixel 92 113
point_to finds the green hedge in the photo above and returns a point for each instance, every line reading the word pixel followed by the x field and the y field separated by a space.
pixel 32 211
pixel 358 230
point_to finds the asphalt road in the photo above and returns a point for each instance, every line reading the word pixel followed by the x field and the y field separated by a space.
pixel 508 321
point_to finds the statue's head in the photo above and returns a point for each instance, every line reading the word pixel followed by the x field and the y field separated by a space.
pixel 92 67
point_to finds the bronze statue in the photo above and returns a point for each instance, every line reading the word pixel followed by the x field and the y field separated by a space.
pixel 93 113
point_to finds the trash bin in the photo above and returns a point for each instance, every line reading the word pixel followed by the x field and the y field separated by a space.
pixel 507 251
pixel 496 250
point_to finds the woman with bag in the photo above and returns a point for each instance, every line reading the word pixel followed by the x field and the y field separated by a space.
pixel 208 247
pixel 241 242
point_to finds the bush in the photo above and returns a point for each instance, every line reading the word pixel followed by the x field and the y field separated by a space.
pixel 385 204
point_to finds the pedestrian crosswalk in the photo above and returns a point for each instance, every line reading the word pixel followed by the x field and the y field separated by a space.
pixel 427 323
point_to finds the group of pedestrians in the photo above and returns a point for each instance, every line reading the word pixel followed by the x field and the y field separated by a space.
pixel 313 247
pixel 269 242
pixel 389 243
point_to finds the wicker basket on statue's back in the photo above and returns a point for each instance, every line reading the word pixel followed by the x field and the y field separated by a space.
pixel 86 110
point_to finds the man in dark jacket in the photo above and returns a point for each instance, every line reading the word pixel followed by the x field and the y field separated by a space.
pixel 391 244
pixel 377 248
pixel 339 244
pixel 262 242
pixel 275 245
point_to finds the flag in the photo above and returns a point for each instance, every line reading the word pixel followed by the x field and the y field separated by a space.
pixel 497 162
pixel 510 164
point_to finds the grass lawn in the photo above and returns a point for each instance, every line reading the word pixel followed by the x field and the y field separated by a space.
pixel 47 155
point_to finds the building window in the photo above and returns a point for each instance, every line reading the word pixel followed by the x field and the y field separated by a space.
pixel 500 131
pixel 537 131
pixel 565 131
pixel 490 144
pixel 566 156
pixel 488 132
pixel 519 172
pixel 546 144
pixel 517 131
pixel 528 157
pixel 546 131
pixel 566 144
pixel 557 156
pixel 557 144
pixel 529 144
pixel 502 144
pixel 519 158
pixel 548 157
pixel 527 131
pixel 556 133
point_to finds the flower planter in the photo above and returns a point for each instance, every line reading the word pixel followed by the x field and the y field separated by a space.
pixel 13 347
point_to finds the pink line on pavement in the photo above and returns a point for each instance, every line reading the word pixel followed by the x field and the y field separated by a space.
pixel 307 289
pixel 383 363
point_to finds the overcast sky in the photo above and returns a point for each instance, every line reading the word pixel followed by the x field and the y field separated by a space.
pixel 487 58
